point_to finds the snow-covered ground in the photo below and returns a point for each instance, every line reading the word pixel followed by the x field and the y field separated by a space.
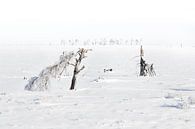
pixel 114 100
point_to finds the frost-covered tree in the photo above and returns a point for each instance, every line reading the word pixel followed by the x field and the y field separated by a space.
pixel 79 57
pixel 142 63
pixel 41 82
pixel 145 69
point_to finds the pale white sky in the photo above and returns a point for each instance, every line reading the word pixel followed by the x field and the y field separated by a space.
pixel 52 20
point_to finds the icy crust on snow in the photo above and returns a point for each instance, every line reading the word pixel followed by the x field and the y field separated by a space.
pixel 41 83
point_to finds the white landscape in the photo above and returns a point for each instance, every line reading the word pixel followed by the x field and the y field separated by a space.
pixel 133 62
pixel 118 99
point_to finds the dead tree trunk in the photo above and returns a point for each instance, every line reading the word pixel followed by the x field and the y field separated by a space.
pixel 81 55
pixel 76 71
pixel 145 68
pixel 73 81
pixel 142 63
pixel 142 67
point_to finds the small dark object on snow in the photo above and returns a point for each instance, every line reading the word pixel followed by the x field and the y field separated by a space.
pixel 107 70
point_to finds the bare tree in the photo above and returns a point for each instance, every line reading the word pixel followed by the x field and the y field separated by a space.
pixel 80 56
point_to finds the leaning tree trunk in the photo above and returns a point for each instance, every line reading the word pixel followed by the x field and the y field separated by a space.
pixel 74 76
pixel 81 55
pixel 73 82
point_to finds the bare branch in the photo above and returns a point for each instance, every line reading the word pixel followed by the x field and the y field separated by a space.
pixel 80 69
pixel 62 71
pixel 71 64
pixel 84 57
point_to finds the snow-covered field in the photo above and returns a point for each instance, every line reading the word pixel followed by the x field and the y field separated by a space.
pixel 114 100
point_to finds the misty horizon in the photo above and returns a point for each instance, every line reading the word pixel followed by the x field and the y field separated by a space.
pixel 156 22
